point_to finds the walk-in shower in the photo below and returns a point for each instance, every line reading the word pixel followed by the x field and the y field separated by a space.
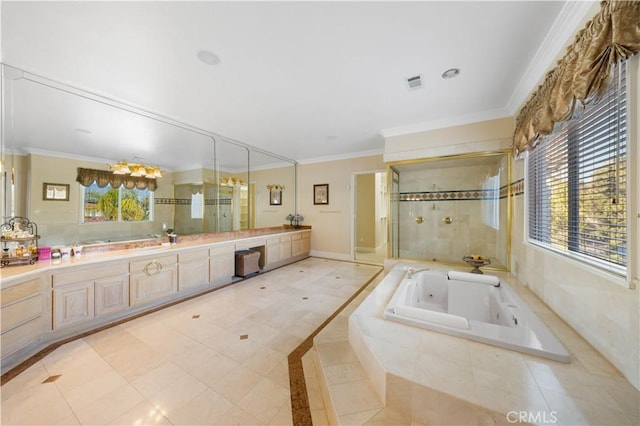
pixel 445 208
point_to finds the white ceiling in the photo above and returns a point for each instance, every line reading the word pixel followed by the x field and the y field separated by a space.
pixel 306 80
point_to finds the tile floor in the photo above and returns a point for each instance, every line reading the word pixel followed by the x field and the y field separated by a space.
pixel 217 359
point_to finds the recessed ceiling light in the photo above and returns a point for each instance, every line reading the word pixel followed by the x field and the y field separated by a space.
pixel 208 58
pixel 451 73
pixel 79 130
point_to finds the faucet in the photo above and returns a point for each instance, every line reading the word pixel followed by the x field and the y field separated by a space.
pixel 411 271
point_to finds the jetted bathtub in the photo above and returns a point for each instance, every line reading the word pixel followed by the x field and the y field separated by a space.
pixel 476 307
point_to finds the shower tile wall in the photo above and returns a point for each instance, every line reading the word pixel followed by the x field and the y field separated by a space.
pixel 434 239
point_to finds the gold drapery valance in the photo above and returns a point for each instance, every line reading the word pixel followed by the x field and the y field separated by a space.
pixel 583 73
pixel 103 178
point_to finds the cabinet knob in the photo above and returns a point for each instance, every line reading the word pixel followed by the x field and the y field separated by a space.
pixel 148 271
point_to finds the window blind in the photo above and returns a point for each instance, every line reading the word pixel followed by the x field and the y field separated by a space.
pixel 576 181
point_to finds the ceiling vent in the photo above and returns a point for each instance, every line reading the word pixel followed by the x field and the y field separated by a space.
pixel 414 82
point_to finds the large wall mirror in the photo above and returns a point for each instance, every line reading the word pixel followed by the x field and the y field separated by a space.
pixel 209 183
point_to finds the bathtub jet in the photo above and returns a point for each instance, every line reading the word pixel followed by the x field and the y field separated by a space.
pixel 476 307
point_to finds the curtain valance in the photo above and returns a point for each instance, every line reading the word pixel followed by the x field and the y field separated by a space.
pixel 583 73
pixel 103 178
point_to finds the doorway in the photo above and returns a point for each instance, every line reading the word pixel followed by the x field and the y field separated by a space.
pixel 370 217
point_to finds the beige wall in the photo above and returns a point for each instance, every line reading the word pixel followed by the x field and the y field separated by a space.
pixel 332 228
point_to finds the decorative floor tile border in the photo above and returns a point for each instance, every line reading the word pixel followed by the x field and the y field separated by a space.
pixel 300 411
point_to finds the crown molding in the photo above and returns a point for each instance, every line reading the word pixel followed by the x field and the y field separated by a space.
pixel 572 17
pixel 342 156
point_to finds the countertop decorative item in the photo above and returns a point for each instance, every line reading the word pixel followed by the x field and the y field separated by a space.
pixel 19 237
pixel 294 219
pixel 476 261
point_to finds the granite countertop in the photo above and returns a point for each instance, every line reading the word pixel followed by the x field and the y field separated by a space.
pixel 140 248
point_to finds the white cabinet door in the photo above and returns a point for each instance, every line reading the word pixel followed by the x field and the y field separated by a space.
pixel 285 249
pixel 85 292
pixel 222 261
pixel 193 274
pixel 153 279
pixel 273 250
pixel 111 294
pixel 193 269
pixel 306 242
pixel 72 304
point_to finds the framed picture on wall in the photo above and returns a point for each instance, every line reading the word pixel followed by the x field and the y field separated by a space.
pixel 321 194
pixel 55 191
pixel 275 198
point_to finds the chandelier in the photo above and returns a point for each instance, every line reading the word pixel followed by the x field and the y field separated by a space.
pixel 135 169
pixel 232 181
pixel 275 187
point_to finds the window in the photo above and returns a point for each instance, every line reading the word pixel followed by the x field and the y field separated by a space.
pixel 576 182
pixel 111 204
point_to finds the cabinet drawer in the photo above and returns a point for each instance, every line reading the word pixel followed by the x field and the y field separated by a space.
pixel 21 312
pixel 138 266
pixel 92 273
pixel 21 336
pixel 20 291
pixel 306 235
pixel 222 250
pixel 273 241
pixel 296 236
pixel 193 256
pixel 285 238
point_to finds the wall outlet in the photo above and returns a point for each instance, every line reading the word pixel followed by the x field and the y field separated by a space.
pixel 164 226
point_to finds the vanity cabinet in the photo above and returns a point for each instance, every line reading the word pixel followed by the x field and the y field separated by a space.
pixel 23 314
pixel 222 264
pixel 300 243
pixel 193 269
pixel 84 293
pixel 153 279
